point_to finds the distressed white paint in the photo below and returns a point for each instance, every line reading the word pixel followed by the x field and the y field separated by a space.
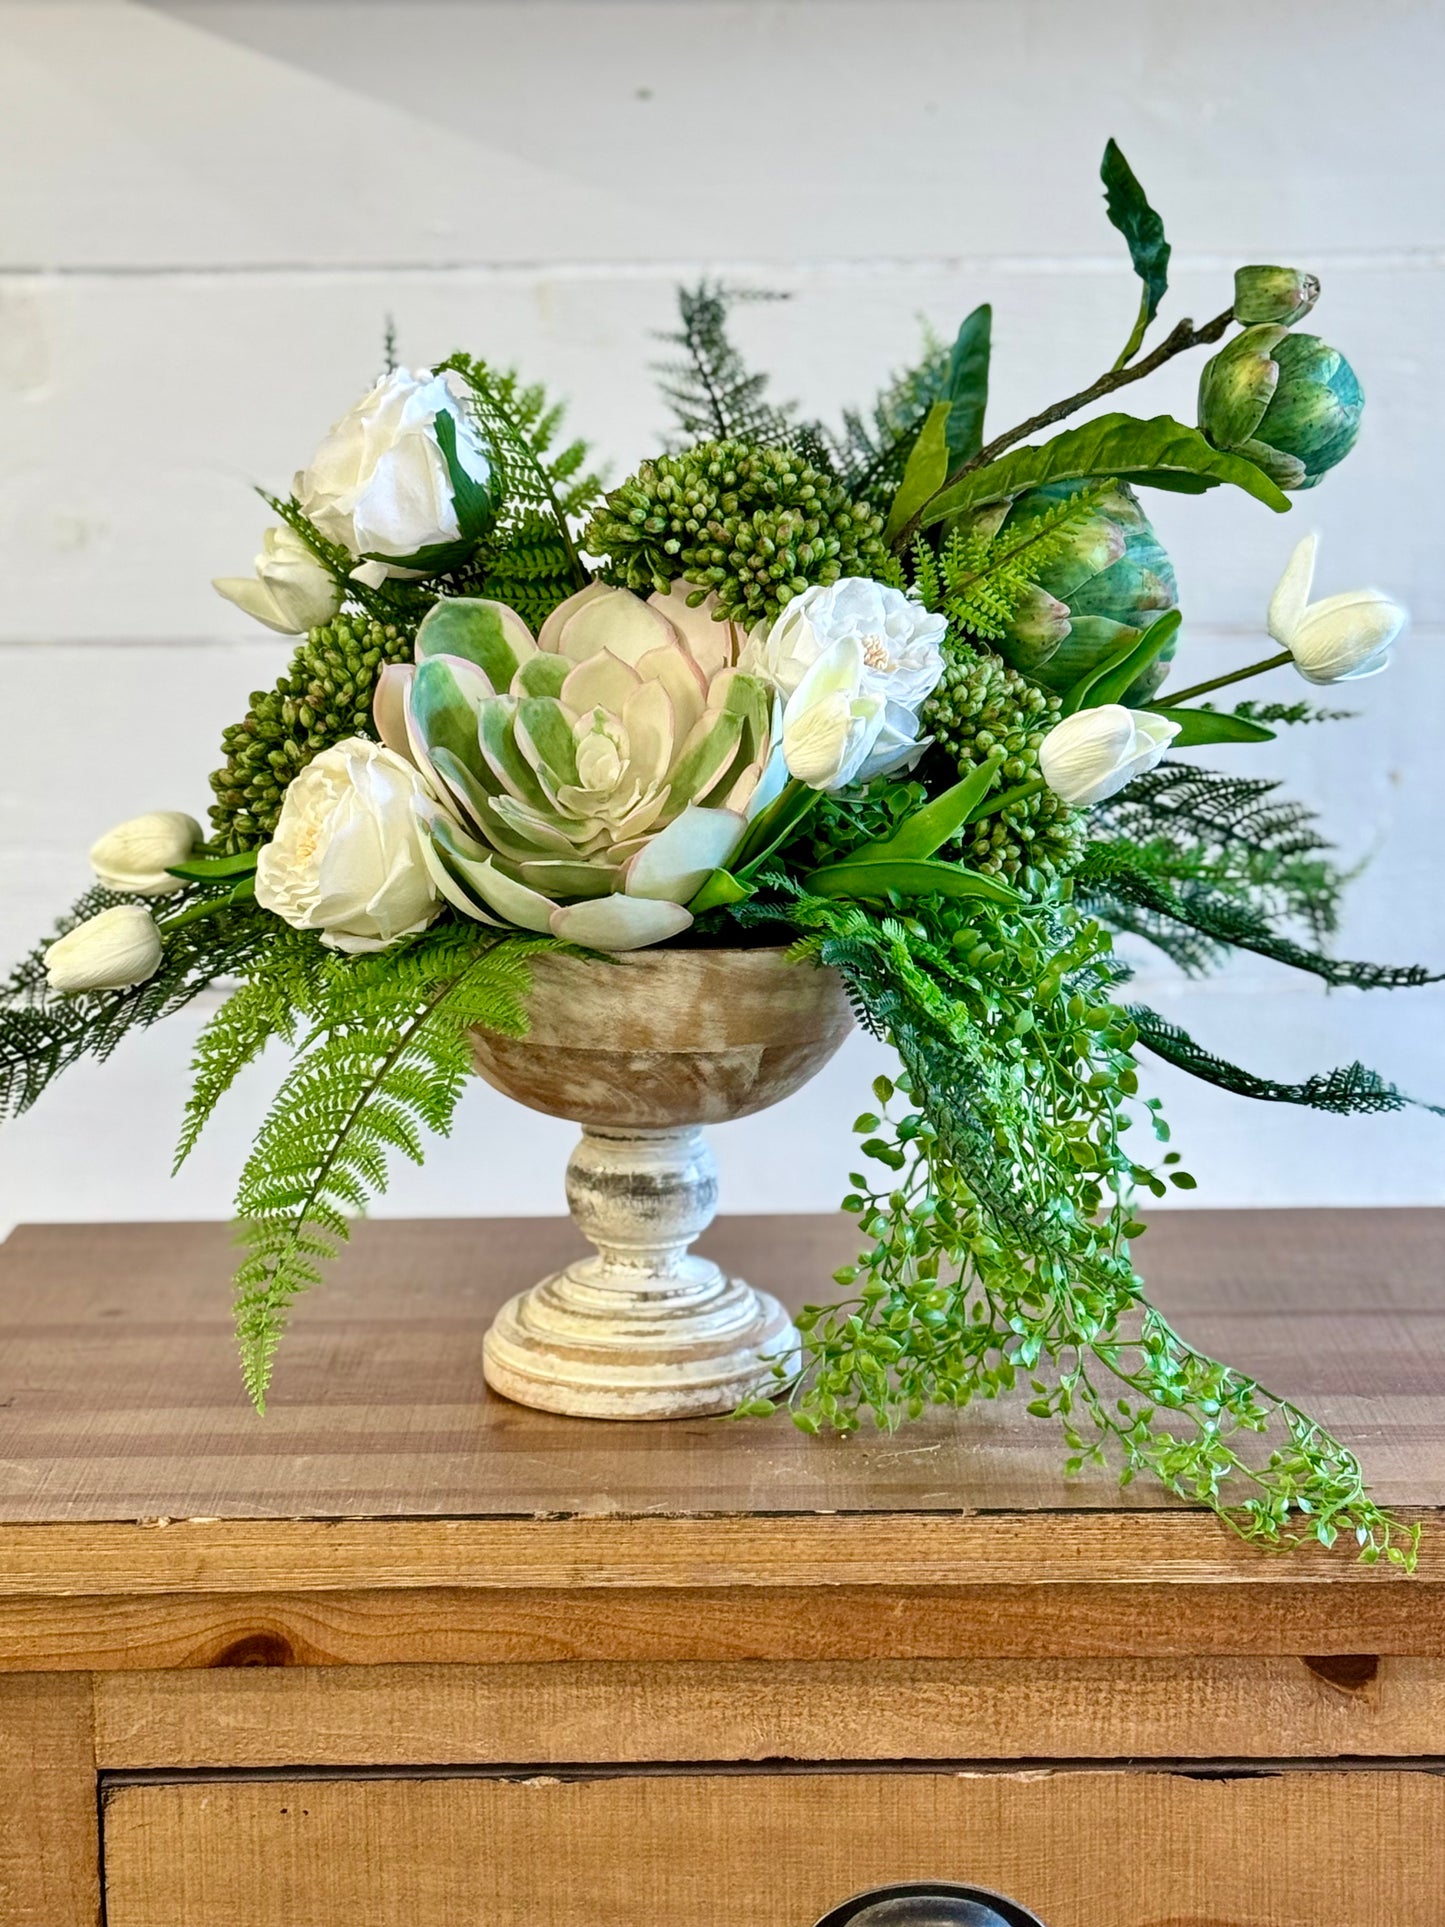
pixel 208 209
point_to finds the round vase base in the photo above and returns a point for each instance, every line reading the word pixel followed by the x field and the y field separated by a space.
pixel 592 1343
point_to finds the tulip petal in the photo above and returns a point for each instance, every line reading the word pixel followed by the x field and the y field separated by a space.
pixel 1292 592
pixel 485 633
pixel 676 862
pixel 620 922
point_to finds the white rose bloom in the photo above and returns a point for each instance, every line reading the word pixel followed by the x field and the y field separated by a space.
pixel 379 483
pixel 111 951
pixel 346 858
pixel 137 854
pixel 1094 753
pixel 855 662
pixel 1339 639
pixel 290 592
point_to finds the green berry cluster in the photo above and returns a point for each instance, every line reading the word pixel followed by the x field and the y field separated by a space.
pixel 981 705
pixel 754 525
pixel 324 696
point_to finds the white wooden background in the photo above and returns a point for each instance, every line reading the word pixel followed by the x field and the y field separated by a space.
pixel 209 207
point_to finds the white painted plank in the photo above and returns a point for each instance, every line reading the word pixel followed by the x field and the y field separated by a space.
pixel 137 414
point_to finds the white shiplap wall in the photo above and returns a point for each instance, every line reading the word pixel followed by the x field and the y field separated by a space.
pixel 207 208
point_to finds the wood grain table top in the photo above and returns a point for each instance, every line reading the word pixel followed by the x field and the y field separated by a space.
pixel 121 1406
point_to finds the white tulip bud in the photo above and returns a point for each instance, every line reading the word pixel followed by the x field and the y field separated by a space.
pixel 1339 639
pixel 112 951
pixel 136 854
pixel 1094 753
pixel 290 592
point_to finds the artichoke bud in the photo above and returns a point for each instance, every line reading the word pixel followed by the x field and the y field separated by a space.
pixel 1280 296
pixel 1289 403
pixel 1104 580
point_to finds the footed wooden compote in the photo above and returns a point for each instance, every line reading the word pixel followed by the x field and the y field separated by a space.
pixel 641 1052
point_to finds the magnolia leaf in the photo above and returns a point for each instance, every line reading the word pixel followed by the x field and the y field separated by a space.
pixel 915 877
pixel 1198 726
pixel 472 499
pixel 1110 681
pixel 926 471
pixel 210 869
pixel 722 887
pixel 770 827
pixel 1158 452
pixel 1142 228
pixel 968 385
pixel 929 828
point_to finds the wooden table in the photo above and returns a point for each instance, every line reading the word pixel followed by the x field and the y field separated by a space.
pixel 404 1655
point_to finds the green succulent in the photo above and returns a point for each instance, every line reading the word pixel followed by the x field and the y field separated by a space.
pixel 981 705
pixel 1289 403
pixel 324 696
pixel 753 526
pixel 1103 583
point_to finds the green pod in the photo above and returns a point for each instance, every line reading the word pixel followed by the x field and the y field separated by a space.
pixel 1281 296
pixel 1107 584
pixel 1289 403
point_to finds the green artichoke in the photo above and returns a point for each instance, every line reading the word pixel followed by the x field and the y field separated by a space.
pixel 1289 403
pixel 1104 581
pixel 1280 295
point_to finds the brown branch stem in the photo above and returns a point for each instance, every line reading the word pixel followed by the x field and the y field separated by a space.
pixel 1177 342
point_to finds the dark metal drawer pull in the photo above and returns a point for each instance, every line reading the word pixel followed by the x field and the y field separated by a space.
pixel 929 1903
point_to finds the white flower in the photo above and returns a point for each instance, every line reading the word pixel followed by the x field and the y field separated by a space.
pixel 112 951
pixel 290 591
pixel 855 661
pixel 1092 754
pixel 379 483
pixel 137 854
pixel 346 858
pixel 1340 638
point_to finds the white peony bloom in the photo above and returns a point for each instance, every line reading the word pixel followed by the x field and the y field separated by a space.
pixel 137 854
pixel 855 662
pixel 290 592
pixel 1094 753
pixel 346 858
pixel 379 483
pixel 1340 638
pixel 111 951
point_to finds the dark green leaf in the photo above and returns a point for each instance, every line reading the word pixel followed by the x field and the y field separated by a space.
pixel 720 888
pixel 1110 681
pixel 772 826
pixel 1158 453
pixel 918 877
pixel 1140 226
pixel 930 828
pixel 208 869
pixel 926 470
pixel 472 499
pixel 968 385
pixel 1198 726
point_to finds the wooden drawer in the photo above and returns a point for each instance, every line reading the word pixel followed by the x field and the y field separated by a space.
pixel 1086 1847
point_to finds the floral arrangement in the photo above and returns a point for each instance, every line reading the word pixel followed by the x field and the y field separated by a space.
pixel 895 694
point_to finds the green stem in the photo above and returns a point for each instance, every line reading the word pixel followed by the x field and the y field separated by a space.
pixel 1176 342
pixel 1005 797
pixel 1131 346
pixel 1221 682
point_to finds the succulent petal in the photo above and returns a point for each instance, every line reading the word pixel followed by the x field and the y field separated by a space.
pixel 485 633
pixel 620 922
pixel 674 864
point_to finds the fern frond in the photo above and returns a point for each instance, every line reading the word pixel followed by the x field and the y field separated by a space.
pixel 384 1064
pixel 43 1033
pixel 1350 1089
pixel 713 394
pixel 982 575
pixel 1113 875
